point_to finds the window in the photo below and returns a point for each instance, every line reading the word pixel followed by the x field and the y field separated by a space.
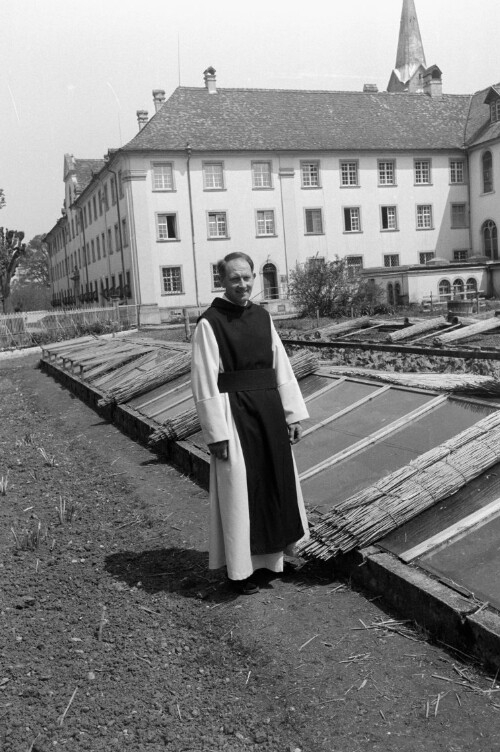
pixel 103 243
pixel 265 223
pixel 213 176
pixel 163 178
pixel 458 288
pixel 113 190
pixel 110 242
pixel 98 248
pixel 171 280
pixel 309 174
pixel 444 290
pixel 105 197
pixel 217 225
pixel 490 239
pixel 456 171
pixel 458 216
pixel 389 219
pixel 124 232
pixel 314 221
pixel 216 283
pixel 425 256
pixel 118 244
pixel 120 183
pixel 495 111
pixel 471 288
pixel 166 227
pixel 261 175
pixel 348 173
pixel 424 217
pixel 100 202
pixel 92 245
pixel 352 219
pixel 460 255
pixel 94 204
pixel 391 259
pixel 85 216
pixel 487 172
pixel 354 264
pixel 386 173
pixel 315 262
pixel 422 172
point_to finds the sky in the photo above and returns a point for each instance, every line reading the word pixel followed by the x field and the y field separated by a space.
pixel 73 74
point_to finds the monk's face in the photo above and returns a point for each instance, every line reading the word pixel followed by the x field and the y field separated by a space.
pixel 238 281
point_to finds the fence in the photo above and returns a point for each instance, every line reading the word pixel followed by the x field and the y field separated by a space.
pixel 41 327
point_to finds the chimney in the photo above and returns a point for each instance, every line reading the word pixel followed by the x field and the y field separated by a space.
pixel 370 87
pixel 158 98
pixel 142 118
pixel 210 81
pixel 433 83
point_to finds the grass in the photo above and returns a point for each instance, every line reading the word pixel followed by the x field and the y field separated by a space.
pixel 29 540
pixel 65 513
pixel 50 459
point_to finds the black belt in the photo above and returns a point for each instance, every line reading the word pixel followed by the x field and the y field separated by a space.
pixel 246 381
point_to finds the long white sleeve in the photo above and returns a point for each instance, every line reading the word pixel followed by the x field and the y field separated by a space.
pixel 288 387
pixel 210 403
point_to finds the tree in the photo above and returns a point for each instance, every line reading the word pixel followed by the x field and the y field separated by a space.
pixel 31 285
pixel 12 249
pixel 332 288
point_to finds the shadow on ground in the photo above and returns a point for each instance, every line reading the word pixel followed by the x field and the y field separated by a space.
pixel 185 571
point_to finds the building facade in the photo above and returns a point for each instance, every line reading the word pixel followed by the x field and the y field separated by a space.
pixel 400 183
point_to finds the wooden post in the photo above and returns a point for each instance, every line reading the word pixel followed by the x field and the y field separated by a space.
pixel 187 328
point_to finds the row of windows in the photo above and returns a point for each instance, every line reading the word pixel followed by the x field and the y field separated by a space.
pixel 172 283
pixel 390 260
pixel 106 284
pixel 96 206
pixel 97 248
pixel 310 173
pixel 167 227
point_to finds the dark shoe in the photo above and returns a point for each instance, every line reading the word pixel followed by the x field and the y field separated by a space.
pixel 244 587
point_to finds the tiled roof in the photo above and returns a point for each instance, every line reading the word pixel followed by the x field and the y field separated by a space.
pixel 276 119
pixel 480 129
pixel 85 169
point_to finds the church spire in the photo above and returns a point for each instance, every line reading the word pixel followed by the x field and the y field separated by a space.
pixel 410 58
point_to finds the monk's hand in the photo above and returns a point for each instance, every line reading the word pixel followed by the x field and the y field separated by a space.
pixel 294 432
pixel 219 449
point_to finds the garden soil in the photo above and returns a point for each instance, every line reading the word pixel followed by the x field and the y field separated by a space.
pixel 115 636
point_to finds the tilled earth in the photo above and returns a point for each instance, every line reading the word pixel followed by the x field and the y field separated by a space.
pixel 114 635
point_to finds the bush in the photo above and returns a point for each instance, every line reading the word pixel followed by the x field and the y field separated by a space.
pixel 332 288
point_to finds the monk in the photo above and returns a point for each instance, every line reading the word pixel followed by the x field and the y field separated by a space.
pixel 250 407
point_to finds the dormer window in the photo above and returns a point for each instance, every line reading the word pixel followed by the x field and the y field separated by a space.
pixel 495 111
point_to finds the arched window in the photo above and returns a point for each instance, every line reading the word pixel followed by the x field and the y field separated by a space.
pixel 487 172
pixel 458 288
pixel 490 239
pixel 471 288
pixel 390 294
pixel 270 282
pixel 444 290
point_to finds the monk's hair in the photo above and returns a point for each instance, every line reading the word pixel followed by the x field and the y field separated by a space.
pixel 222 264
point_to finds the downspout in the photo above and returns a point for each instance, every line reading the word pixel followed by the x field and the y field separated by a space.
pixel 84 250
pixel 193 238
pixel 283 223
pixel 119 221
pixel 66 261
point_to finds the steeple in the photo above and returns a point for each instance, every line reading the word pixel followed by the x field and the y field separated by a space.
pixel 410 58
